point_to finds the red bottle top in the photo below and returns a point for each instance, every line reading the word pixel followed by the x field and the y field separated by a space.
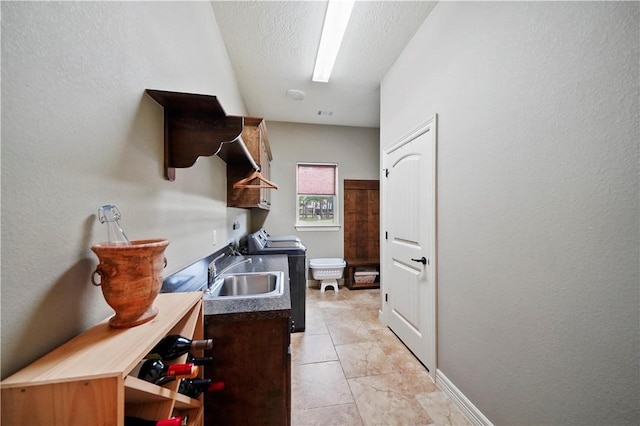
pixel 216 386
pixel 183 370
pixel 138 421
pixel 173 421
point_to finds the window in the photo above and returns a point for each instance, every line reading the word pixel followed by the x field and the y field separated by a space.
pixel 317 197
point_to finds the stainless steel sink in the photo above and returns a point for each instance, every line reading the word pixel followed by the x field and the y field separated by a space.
pixel 247 285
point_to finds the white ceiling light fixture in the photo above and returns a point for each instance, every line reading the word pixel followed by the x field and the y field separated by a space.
pixel 295 95
pixel 335 24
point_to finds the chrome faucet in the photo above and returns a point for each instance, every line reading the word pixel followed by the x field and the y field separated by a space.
pixel 213 271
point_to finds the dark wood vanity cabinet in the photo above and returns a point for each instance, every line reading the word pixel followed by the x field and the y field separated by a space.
pixel 254 134
pixel 252 357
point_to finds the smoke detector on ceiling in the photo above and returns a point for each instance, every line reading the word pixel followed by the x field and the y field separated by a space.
pixel 295 95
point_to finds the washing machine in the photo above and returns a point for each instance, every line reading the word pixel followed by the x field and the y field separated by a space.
pixel 261 243
pixel 277 239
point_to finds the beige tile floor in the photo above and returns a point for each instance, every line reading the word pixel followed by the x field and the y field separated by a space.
pixel 348 369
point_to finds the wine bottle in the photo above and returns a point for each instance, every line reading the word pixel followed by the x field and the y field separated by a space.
pixel 202 360
pixel 174 345
pixel 110 215
pixel 138 421
pixel 194 387
pixel 156 371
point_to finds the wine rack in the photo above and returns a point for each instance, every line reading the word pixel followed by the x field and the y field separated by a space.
pixel 86 381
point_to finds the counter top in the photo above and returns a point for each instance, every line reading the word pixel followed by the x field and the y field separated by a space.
pixel 253 307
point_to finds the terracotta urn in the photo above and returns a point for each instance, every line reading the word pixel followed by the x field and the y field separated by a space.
pixel 131 278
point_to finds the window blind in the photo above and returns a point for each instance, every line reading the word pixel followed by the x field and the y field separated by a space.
pixel 316 179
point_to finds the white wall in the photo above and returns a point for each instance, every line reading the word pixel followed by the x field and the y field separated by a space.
pixel 354 149
pixel 78 131
pixel 538 202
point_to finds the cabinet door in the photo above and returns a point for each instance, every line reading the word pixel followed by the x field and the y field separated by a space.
pixel 251 357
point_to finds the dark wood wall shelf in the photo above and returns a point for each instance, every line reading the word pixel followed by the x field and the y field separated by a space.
pixel 352 267
pixel 194 126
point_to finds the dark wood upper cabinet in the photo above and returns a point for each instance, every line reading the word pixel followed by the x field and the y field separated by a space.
pixel 256 139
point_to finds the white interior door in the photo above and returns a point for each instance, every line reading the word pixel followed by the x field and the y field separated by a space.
pixel 409 254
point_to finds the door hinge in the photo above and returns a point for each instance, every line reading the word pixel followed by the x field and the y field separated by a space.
pixel 386 235
pixel 386 172
pixel 386 297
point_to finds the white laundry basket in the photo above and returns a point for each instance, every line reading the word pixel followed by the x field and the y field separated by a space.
pixel 329 270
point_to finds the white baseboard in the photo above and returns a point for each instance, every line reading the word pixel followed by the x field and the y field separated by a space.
pixel 470 411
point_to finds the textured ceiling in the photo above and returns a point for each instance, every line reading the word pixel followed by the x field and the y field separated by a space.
pixel 272 46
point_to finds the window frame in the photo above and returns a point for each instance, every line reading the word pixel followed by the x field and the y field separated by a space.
pixel 301 225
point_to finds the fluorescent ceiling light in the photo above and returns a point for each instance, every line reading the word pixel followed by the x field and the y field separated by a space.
pixel 335 24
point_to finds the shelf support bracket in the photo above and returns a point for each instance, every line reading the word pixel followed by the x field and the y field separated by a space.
pixel 194 126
